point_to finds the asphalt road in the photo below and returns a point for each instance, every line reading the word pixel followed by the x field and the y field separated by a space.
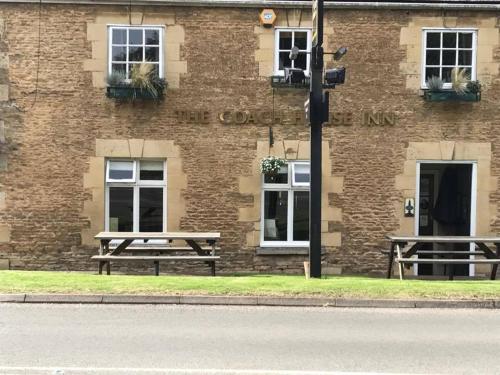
pixel 121 339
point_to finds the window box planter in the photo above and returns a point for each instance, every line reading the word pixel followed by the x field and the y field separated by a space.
pixel 451 96
pixel 279 82
pixel 128 92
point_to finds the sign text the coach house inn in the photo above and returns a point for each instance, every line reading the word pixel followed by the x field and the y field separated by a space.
pixel 232 117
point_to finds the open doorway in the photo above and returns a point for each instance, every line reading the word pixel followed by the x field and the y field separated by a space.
pixel 444 207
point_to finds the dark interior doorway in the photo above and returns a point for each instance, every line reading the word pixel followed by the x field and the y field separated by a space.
pixel 445 210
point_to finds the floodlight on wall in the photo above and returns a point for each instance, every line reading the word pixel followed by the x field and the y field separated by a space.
pixel 337 55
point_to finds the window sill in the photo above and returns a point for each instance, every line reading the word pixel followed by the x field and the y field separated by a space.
pixel 284 251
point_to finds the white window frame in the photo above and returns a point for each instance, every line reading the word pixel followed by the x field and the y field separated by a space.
pixel 441 30
pixel 161 31
pixel 290 188
pixel 137 184
pixel 277 50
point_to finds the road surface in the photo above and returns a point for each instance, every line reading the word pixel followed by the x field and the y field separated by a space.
pixel 169 339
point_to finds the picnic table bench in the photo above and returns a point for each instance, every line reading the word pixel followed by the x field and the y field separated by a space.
pixel 409 247
pixel 156 247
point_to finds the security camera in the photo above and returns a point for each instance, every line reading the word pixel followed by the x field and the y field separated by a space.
pixel 339 53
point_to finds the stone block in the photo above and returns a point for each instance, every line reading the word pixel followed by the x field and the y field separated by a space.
pixel 249 214
pixel 62 298
pixel 177 67
pixel 100 49
pixel 112 148
pixel 141 299
pixel 249 185
pixel 4 233
pixel 136 147
pixel 410 168
pixel 172 51
pixel 332 270
pixel 266 69
pixel 291 148
pixel 175 33
pixel 217 300
pixel 296 301
pixel 484 54
pixel 253 238
pixel 4 93
pixel 4 60
pixel 94 65
pixel 265 54
pixel 304 152
pixel 332 239
pixel 96 175
pixel 331 213
pixel 488 36
pixel 266 41
pixel 160 149
pixel 4 264
pixel 405 182
pixel 333 184
pixel 447 149
pixel 99 79
pixel 96 31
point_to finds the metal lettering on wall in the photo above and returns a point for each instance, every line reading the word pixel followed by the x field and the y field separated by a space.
pixel 365 118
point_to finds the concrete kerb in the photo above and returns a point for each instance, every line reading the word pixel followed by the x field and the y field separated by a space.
pixel 247 301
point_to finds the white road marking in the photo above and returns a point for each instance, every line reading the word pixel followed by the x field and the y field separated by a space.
pixel 167 371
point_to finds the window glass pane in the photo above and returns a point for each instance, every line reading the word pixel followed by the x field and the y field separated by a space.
pixel 275 215
pixel 449 57
pixel 301 40
pixel 119 36
pixel 301 216
pixel 151 170
pixel 431 72
pixel 135 53
pixel 118 68
pixel 432 57
pixel 301 173
pixel 446 74
pixel 301 61
pixel 152 53
pixel 465 40
pixel 119 53
pixel 449 40
pixel 464 57
pixel 121 170
pixel 433 40
pixel 135 36
pixel 284 61
pixel 280 178
pixel 285 40
pixel 152 37
pixel 121 207
pixel 151 209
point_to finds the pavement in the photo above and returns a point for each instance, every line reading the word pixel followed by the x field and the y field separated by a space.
pixel 246 301
pixel 111 339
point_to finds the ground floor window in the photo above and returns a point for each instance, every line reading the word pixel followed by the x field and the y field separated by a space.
pixel 135 196
pixel 285 206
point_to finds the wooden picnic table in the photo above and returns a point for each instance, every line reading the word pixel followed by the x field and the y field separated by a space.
pixel 156 246
pixel 406 247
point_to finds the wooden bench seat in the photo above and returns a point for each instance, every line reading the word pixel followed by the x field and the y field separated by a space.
pixel 106 259
pixel 162 248
pixel 448 261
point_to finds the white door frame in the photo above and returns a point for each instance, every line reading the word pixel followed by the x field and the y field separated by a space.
pixel 473 201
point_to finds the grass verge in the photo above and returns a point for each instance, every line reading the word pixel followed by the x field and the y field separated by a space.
pixel 254 285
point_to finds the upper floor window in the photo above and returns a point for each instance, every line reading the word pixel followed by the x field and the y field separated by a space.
pixel 129 45
pixel 287 38
pixel 445 49
pixel 285 206
pixel 135 196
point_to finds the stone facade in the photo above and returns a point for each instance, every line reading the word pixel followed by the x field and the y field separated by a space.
pixel 58 127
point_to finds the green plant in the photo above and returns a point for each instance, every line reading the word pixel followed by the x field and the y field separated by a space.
pixel 142 76
pixel 459 80
pixel 117 79
pixel 474 87
pixel 271 165
pixel 435 84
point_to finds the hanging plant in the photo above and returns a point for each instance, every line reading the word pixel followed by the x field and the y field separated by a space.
pixel 271 165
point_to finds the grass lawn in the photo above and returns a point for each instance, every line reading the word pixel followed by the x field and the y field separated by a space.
pixel 261 285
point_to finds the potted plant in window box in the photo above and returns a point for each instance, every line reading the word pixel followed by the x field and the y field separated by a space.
pixel 271 165
pixel 144 83
pixel 462 89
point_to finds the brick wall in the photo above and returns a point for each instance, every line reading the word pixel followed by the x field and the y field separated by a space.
pixel 50 141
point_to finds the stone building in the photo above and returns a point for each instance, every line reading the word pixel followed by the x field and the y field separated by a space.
pixel 74 160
